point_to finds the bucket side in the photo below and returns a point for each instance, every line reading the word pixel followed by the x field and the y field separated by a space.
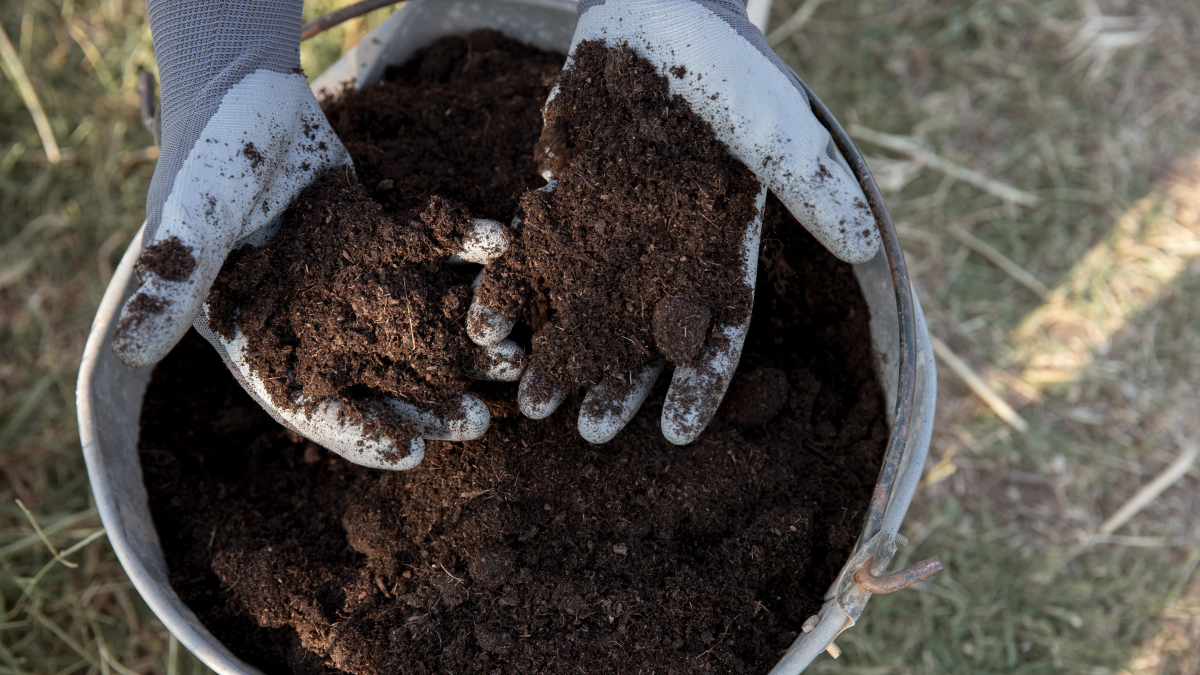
pixel 109 404
pixel 846 600
pixel 109 394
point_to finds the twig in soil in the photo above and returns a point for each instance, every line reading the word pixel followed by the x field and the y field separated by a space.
pixel 998 405
pixel 913 147
pixel 1149 492
pixel 16 73
pixel 408 303
pixel 450 575
pixel 715 643
pixel 639 344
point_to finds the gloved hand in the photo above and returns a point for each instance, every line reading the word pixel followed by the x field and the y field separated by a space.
pixel 242 135
pixel 732 79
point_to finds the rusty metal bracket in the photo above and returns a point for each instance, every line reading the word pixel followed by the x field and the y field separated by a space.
pixel 898 580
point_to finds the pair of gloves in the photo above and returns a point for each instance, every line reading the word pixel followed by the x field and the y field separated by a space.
pixel 242 135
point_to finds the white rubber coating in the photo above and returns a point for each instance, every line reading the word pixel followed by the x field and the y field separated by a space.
pixel 537 408
pixel 602 428
pixel 471 423
pixel 486 241
pixel 504 362
pixel 322 424
pixel 223 195
pixel 486 326
pixel 697 390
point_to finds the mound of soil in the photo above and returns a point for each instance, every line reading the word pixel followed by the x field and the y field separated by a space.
pixel 351 299
pixel 459 119
pixel 649 208
pixel 529 550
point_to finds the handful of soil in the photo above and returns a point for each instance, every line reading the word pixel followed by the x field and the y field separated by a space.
pixel 637 252
pixel 345 296
pixel 351 299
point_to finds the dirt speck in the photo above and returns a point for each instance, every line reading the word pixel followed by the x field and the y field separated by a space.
pixel 252 153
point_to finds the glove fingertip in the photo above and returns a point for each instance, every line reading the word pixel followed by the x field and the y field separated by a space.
pixel 486 241
pixel 537 396
pixel 504 362
pixel 485 326
pixel 148 328
pixel 471 420
pixel 697 391
pixel 839 217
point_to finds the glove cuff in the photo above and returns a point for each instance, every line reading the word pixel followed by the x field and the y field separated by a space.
pixel 203 49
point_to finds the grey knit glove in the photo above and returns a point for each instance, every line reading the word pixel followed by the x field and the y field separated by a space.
pixel 242 135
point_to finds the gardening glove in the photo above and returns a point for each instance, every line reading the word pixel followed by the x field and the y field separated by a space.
pixel 242 135
pixel 715 59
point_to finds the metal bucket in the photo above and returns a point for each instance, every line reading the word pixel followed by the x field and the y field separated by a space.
pixel 109 393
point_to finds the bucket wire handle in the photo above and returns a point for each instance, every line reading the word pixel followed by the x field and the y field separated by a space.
pixel 339 16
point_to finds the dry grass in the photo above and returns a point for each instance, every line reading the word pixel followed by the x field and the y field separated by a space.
pixel 1091 107
pixel 62 230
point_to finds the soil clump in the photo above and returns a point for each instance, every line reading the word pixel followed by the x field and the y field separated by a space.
pixel 649 207
pixel 352 299
pixel 170 259
pixel 529 550
pixel 345 299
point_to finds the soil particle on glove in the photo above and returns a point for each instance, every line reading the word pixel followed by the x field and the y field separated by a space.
pixel 142 307
pixel 648 205
pixel 530 551
pixel 169 259
pixel 252 153
pixel 352 300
